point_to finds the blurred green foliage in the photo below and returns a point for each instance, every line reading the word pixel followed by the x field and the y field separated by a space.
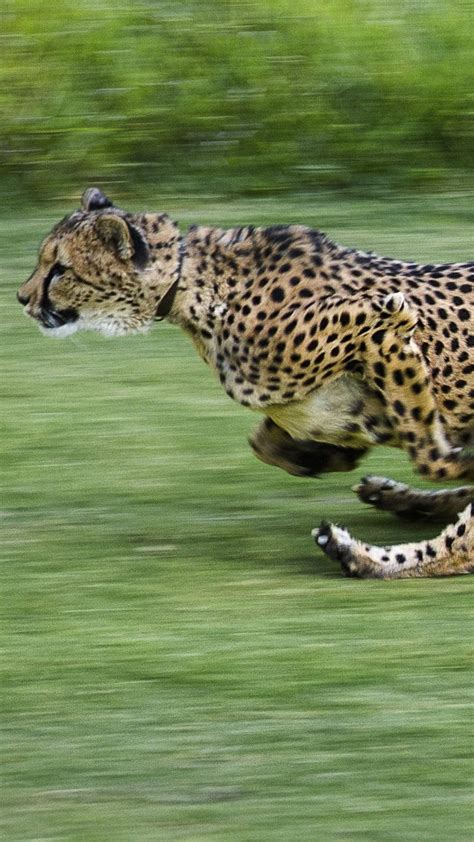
pixel 235 96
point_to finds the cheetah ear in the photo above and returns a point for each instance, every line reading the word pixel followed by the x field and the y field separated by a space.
pixel 93 199
pixel 124 238
pixel 114 231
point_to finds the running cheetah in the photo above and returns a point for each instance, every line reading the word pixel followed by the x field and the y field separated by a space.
pixel 338 349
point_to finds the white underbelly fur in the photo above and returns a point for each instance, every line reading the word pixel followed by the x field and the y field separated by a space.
pixel 327 412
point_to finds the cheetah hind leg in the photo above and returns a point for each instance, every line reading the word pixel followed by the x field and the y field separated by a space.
pixel 451 553
pixel 413 503
pixel 301 458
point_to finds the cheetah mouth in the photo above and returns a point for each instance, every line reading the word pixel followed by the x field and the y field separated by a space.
pixel 50 319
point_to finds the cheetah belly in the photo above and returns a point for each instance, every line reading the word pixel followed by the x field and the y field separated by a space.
pixel 344 412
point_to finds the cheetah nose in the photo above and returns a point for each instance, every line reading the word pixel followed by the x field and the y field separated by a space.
pixel 23 299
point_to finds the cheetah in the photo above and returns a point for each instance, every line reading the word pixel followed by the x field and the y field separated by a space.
pixel 339 350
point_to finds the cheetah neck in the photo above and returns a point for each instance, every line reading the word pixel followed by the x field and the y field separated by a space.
pixel 166 301
pixel 208 267
pixel 222 275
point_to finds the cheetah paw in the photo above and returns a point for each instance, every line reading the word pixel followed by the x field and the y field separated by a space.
pixel 382 493
pixel 448 554
pixel 339 545
pixel 413 503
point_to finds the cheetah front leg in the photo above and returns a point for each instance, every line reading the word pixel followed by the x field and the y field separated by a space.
pixel 391 496
pixel 394 365
pixel 451 553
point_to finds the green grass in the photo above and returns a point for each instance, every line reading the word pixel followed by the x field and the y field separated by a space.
pixel 181 662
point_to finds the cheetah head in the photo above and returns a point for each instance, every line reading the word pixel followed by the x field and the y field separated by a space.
pixel 103 269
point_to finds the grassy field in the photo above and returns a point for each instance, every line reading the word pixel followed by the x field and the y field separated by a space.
pixel 181 662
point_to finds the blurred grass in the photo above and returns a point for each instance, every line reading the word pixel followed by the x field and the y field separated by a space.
pixel 181 662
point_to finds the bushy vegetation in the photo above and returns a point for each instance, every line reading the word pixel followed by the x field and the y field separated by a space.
pixel 235 97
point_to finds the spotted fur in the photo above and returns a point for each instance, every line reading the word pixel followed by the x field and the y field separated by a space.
pixel 340 350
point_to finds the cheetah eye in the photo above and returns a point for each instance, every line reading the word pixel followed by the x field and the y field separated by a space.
pixel 56 272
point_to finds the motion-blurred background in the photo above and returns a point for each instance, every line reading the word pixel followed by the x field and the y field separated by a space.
pixel 235 97
pixel 181 662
